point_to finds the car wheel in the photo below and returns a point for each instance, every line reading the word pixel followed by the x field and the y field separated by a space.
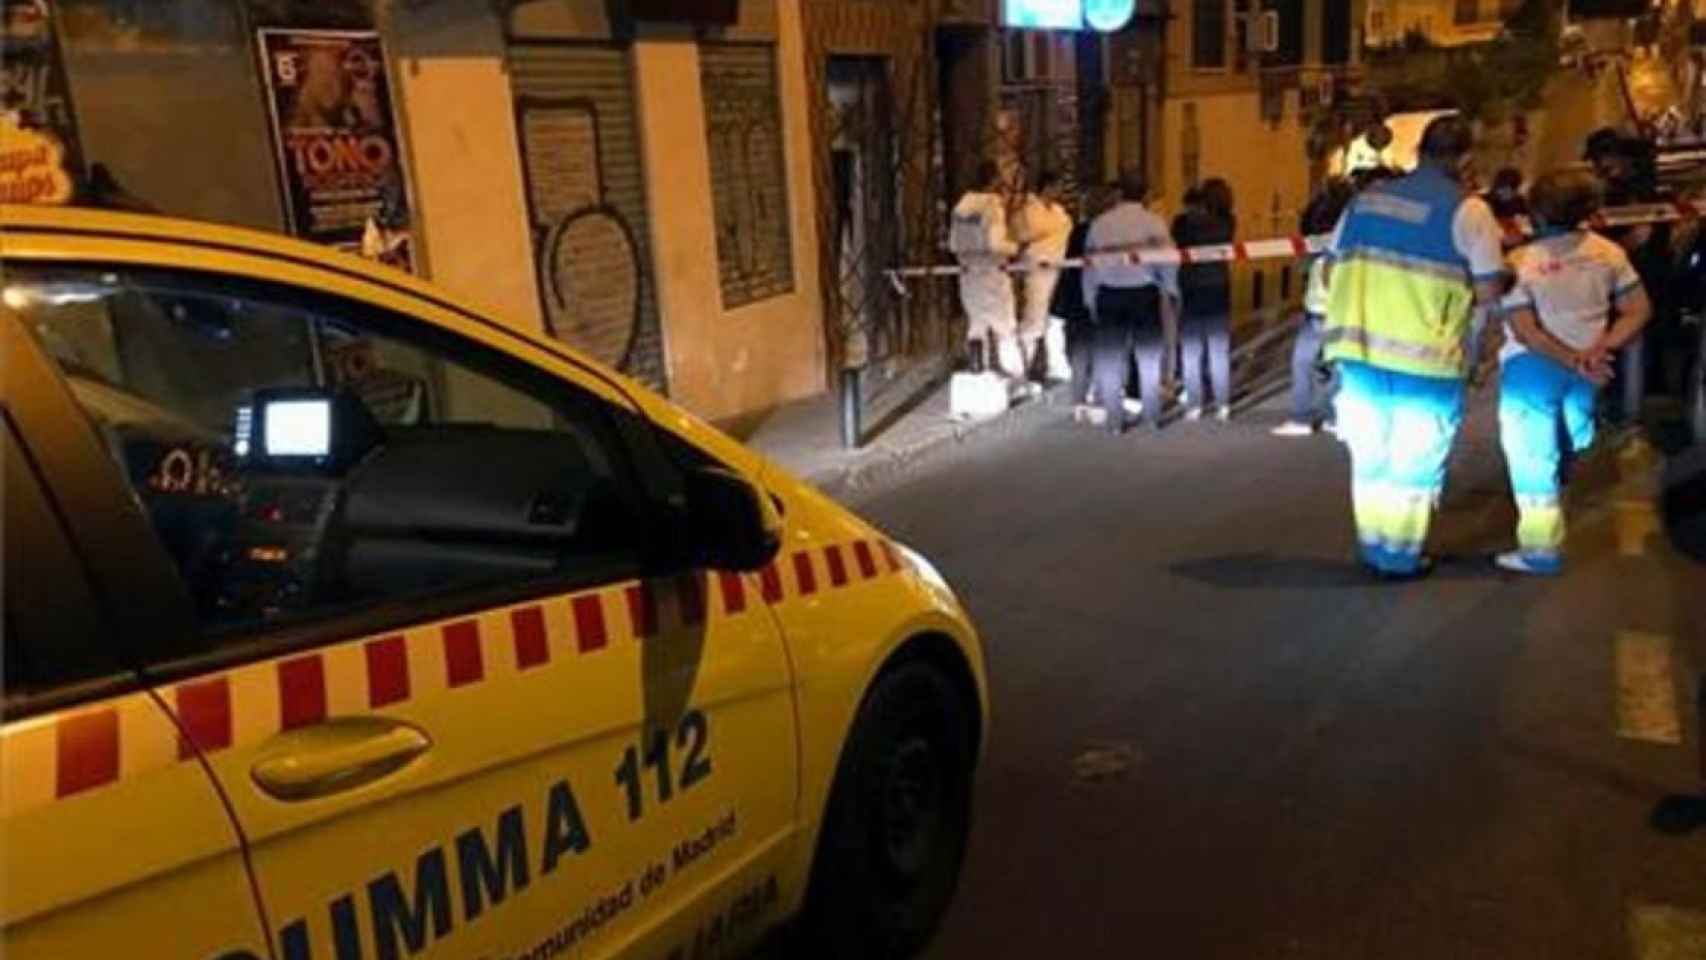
pixel 895 830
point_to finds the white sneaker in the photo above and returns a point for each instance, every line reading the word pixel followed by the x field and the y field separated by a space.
pixel 1193 413
pixel 1515 562
pixel 1096 416
pixel 1292 428
pixel 1080 412
pixel 1133 407
pixel 1223 414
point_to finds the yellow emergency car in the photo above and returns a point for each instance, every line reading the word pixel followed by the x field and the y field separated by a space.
pixel 344 623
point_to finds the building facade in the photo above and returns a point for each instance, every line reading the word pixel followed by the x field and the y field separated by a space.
pixel 642 190
pixel 1445 23
pixel 1246 87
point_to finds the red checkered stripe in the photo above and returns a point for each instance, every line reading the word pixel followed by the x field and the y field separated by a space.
pixel 63 755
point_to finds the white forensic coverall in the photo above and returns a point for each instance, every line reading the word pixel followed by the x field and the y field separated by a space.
pixel 979 239
pixel 1044 227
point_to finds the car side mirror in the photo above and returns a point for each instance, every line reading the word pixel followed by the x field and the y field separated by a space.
pixel 733 524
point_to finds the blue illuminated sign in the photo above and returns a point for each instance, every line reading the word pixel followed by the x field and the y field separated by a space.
pixel 1043 14
pixel 1107 16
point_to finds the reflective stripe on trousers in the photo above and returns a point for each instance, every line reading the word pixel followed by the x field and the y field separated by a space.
pixel 1544 409
pixel 1399 428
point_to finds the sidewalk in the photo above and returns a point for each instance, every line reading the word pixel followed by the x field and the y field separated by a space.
pixel 805 437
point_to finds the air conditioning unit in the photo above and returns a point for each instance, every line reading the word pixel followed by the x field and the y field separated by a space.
pixel 1263 35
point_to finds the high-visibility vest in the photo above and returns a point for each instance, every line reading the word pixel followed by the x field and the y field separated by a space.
pixel 1400 296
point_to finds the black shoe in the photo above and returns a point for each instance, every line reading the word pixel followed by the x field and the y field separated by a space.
pixel 1424 569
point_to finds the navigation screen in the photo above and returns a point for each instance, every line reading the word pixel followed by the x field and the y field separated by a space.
pixel 299 428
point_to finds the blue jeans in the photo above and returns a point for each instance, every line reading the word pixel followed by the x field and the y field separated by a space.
pixel 1399 428
pixel 1545 410
pixel 1310 402
pixel 1207 337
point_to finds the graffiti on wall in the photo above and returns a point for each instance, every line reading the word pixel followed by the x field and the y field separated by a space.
pixel 585 252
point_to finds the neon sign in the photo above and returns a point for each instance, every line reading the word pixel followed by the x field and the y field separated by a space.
pixel 1104 16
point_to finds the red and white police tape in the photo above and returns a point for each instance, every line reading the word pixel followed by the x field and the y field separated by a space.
pixel 1294 246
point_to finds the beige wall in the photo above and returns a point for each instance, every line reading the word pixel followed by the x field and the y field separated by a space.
pixel 463 157
pixel 725 362
pixel 179 120
pixel 473 219
pixel 1267 167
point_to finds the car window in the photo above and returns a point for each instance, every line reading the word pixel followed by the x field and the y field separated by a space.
pixel 302 458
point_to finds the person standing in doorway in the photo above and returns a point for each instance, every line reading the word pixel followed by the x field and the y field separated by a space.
pixel 1205 315
pixel 1570 283
pixel 1411 262
pixel 1131 299
pixel 978 237
pixel 1042 230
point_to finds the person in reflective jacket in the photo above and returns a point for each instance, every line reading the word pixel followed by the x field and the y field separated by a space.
pixel 1411 261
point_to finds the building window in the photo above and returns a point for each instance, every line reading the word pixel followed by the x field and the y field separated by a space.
pixel 1467 11
pixel 749 180
pixel 1242 24
pixel 1208 34
pixel 1336 32
pixel 1290 51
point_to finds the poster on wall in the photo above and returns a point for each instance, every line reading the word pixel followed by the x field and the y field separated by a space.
pixel 40 159
pixel 339 157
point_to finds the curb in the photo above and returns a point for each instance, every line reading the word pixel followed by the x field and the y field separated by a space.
pixel 885 464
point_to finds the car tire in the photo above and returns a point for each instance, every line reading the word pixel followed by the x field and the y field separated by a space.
pixel 894 832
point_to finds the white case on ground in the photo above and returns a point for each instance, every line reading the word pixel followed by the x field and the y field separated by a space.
pixel 973 396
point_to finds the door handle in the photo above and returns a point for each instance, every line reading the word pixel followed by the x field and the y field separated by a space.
pixel 334 756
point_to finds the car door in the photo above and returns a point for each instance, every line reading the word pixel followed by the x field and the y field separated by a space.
pixel 105 813
pixel 456 706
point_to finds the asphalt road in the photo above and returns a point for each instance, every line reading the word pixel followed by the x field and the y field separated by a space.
pixel 1213 738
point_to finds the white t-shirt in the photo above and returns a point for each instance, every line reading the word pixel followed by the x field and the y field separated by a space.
pixel 1572 281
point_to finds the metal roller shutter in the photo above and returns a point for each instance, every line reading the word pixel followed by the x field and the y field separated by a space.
pixel 749 181
pixel 586 194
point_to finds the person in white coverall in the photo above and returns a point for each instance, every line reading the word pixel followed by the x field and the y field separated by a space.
pixel 1043 229
pixel 978 237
